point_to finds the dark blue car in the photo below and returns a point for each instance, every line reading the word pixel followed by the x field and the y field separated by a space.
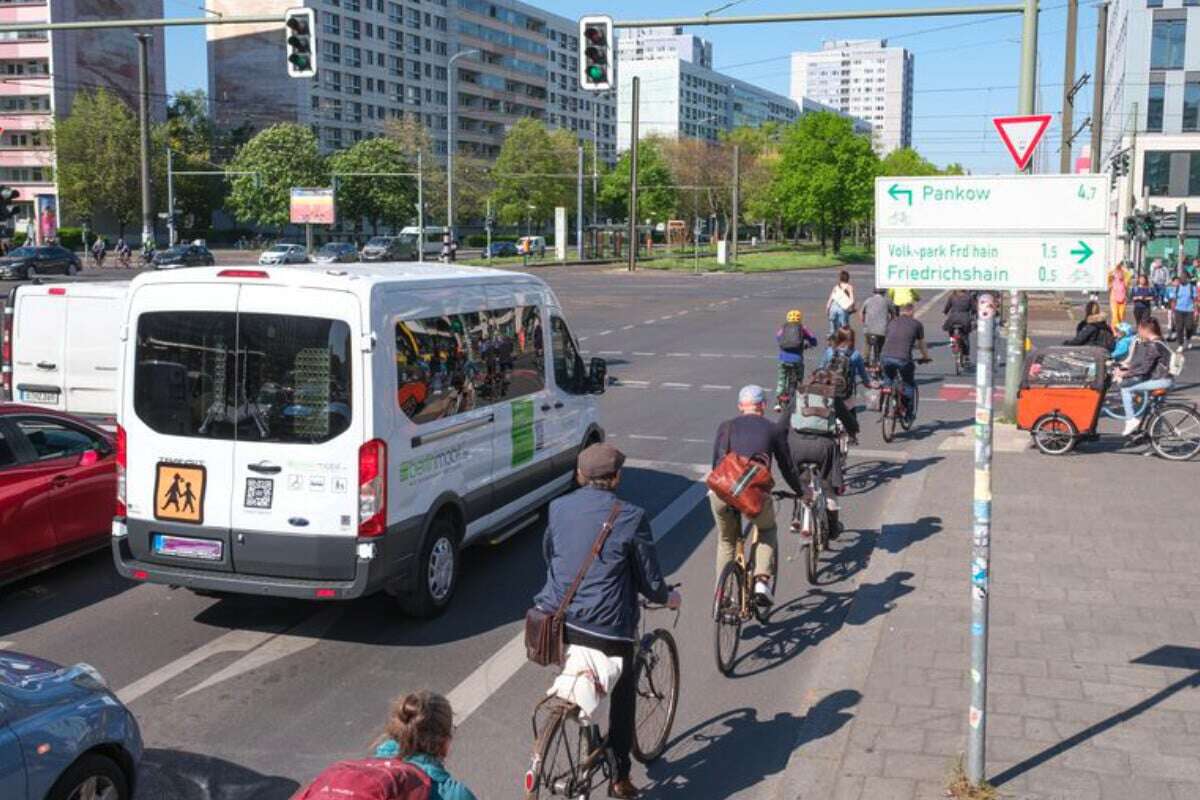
pixel 63 734
pixel 500 249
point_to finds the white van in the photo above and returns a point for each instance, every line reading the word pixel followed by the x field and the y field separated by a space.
pixel 61 347
pixel 432 241
pixel 324 434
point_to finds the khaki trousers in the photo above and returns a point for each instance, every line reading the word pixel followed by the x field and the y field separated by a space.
pixel 729 527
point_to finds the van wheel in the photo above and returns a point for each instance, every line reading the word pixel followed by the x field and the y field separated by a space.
pixel 437 571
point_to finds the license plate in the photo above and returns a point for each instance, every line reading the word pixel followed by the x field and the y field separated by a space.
pixel 39 397
pixel 186 547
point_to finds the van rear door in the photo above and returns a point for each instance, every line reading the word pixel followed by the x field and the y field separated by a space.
pixel 301 385
pixel 92 353
pixel 39 355
pixel 180 423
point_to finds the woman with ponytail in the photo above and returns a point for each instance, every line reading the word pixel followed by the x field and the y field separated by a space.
pixel 419 730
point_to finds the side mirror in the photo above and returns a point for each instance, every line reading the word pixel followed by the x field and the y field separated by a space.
pixel 597 375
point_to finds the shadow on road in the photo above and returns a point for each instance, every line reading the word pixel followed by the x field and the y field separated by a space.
pixel 867 476
pixel 895 537
pixel 60 591
pixel 176 775
pixel 713 759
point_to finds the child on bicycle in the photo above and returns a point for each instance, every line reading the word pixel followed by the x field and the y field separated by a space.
pixel 419 730
pixel 792 338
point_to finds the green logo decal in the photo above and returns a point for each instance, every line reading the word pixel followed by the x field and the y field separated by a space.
pixel 523 440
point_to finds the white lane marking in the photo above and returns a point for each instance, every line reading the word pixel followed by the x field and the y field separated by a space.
pixel 583 338
pixel 6 645
pixel 716 387
pixel 676 385
pixel 711 355
pixel 488 677
pixel 609 352
pixel 681 313
pixel 644 354
pixel 743 355
pixel 932 304
pixel 233 642
pixel 650 322
pixel 305 635
pixel 679 355
pixel 604 333
pixel 647 437
pixel 695 441
pixel 627 327
pixel 633 383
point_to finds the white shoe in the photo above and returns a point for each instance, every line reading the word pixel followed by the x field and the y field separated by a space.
pixel 763 594
pixel 778 408
pixel 1131 425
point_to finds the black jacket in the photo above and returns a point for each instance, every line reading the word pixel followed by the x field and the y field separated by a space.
pixel 959 310
pixel 606 603
pixel 1150 361
pixel 1092 332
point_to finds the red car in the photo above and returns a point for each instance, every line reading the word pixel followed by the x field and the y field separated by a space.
pixel 58 484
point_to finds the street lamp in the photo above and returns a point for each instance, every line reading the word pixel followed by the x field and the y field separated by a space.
pixel 450 139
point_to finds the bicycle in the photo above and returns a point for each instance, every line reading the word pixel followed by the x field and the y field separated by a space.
pixel 792 379
pixel 958 346
pixel 571 757
pixel 893 407
pixel 1172 429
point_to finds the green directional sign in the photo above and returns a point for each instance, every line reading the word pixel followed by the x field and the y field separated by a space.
pixel 896 192
pixel 1083 251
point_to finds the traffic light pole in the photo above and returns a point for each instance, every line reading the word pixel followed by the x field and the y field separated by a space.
pixel 579 210
pixel 143 40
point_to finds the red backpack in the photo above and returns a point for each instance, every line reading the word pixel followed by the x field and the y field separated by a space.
pixel 368 779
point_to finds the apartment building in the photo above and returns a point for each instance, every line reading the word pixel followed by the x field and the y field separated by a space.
pixel 649 44
pixel 864 78
pixel 40 72
pixel 1152 111
pixel 381 60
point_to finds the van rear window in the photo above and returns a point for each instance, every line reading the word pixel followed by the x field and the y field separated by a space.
pixel 252 377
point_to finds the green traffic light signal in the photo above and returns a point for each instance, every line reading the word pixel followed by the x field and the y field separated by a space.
pixel 595 72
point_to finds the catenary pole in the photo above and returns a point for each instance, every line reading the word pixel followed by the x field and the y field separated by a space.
pixel 1098 84
pixel 172 234
pixel 143 40
pixel 450 139
pixel 737 191
pixel 579 209
pixel 633 173
pixel 1015 361
pixel 420 208
pixel 1068 107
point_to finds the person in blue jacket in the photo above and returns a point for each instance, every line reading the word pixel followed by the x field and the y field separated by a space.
pixel 419 730
pixel 603 614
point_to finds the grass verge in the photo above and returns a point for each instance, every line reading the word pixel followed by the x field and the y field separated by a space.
pixel 766 262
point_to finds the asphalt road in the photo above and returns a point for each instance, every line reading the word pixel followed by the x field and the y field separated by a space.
pixel 246 697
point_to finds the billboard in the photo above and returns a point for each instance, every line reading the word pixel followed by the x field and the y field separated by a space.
pixel 312 206
pixel 47 218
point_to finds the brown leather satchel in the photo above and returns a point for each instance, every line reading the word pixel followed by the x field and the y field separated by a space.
pixel 545 643
pixel 742 482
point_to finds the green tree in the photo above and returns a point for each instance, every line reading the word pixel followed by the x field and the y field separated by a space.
pixel 907 161
pixel 99 170
pixel 826 175
pixel 657 195
pixel 389 200
pixel 192 138
pixel 524 186
pixel 282 156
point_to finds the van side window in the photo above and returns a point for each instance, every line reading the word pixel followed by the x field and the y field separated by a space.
pixel 452 364
pixel 566 357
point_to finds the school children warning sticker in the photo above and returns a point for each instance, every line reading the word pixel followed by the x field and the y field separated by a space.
pixel 179 493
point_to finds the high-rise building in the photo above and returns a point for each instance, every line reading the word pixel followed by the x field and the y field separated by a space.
pixel 380 60
pixel 1152 86
pixel 648 44
pixel 40 72
pixel 864 78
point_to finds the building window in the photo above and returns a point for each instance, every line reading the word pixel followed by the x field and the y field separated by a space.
pixel 25 103
pixel 1154 108
pixel 1156 173
pixel 1166 46
pixel 1191 105
pixel 1194 174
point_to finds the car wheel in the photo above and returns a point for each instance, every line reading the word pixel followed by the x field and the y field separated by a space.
pixel 437 571
pixel 31 272
pixel 92 777
pixel 71 268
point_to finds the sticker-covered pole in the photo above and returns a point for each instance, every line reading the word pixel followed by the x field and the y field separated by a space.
pixel 981 534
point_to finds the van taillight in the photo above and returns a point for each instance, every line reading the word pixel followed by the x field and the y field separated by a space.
pixel 372 488
pixel 121 463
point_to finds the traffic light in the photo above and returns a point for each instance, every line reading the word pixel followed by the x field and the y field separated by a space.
pixel 1131 226
pixel 8 196
pixel 300 35
pixel 1149 224
pixel 596 53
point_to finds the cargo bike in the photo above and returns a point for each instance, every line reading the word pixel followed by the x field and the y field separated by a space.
pixel 1060 401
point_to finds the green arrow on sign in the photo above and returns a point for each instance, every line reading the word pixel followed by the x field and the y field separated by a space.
pixel 896 190
pixel 1083 251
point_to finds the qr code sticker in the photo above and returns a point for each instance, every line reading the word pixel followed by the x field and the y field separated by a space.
pixel 259 492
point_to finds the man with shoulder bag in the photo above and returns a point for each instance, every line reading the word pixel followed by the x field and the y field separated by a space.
pixel 600 556
pixel 742 455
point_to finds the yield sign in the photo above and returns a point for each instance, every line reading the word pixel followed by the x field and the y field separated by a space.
pixel 1022 134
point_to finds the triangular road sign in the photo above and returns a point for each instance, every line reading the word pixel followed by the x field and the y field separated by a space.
pixel 1022 134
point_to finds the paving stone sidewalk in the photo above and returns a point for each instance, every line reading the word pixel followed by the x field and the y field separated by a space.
pixel 1094 638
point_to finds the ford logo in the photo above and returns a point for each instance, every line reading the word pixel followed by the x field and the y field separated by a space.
pixel 299 522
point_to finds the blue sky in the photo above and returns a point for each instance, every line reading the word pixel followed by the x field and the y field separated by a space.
pixel 966 68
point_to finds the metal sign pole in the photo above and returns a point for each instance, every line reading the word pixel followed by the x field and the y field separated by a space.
pixel 981 539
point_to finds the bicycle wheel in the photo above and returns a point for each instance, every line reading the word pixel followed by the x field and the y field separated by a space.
pixel 558 754
pixel 907 420
pixel 656 682
pixel 1054 434
pixel 727 616
pixel 887 417
pixel 1174 432
pixel 1113 408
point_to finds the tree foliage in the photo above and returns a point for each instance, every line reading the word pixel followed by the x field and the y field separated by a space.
pixel 99 168
pixel 281 157
pixel 907 161
pixel 190 134
pixel 525 186
pixel 657 195
pixel 826 175
pixel 390 200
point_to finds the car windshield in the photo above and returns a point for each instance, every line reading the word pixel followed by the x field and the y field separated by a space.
pixel 332 249
pixel 379 241
pixel 280 248
pixel 23 252
pixel 174 251
pixel 251 377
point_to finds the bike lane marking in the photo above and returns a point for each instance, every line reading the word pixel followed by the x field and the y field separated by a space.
pixel 469 695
